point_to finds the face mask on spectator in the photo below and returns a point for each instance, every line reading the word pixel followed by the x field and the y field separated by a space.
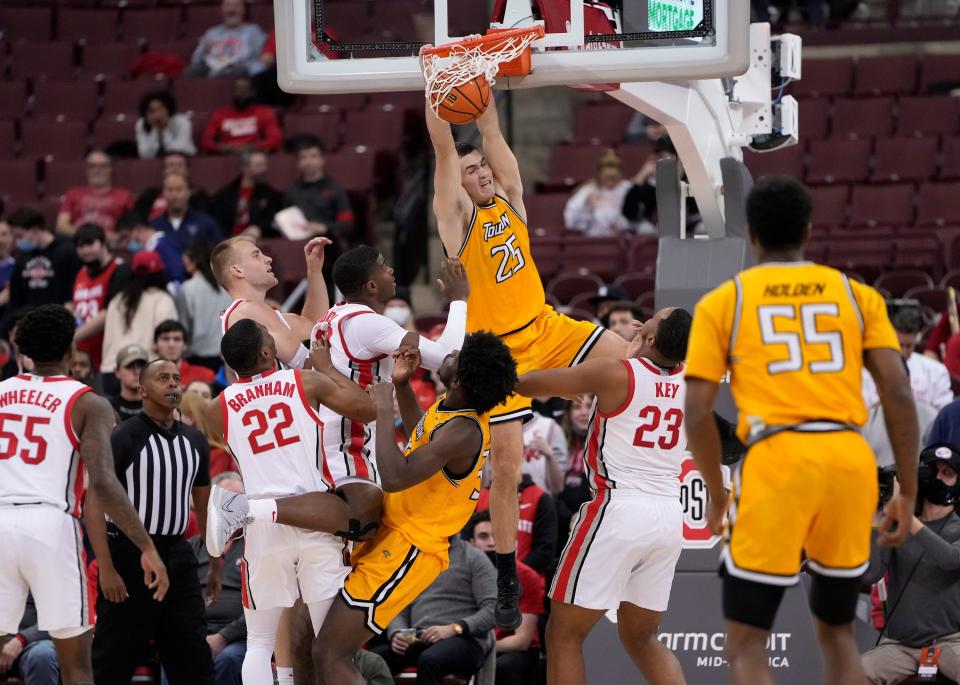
pixel 133 247
pixel 937 492
pixel 25 245
pixel 398 314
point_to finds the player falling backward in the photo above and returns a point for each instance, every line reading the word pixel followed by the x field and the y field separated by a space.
pixel 362 345
pixel 795 337
pixel 481 219
pixel 635 445
pixel 54 429
pixel 268 421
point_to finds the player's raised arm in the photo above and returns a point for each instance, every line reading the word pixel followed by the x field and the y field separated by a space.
pixel 93 420
pixel 406 363
pixel 456 444
pixel 450 201
pixel 290 349
pixel 317 301
pixel 453 284
pixel 607 378
pixel 500 157
pixel 327 386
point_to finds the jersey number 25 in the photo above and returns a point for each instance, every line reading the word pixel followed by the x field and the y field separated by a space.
pixel 508 252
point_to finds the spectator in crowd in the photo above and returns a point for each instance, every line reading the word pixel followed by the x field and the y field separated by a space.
pixel 518 651
pixel 595 208
pixel 248 203
pixel 135 313
pixel 151 203
pixel 136 235
pixel 640 202
pixel 170 343
pixel 45 266
pixel 160 129
pixel 322 201
pixel 607 296
pixel 201 389
pixel 929 379
pixel 6 261
pixel 545 454
pixel 193 408
pixel 30 654
pixel 619 318
pixel 97 202
pixel 83 370
pixel 148 449
pixel 129 363
pixel 230 49
pixel 242 125
pixel 447 629
pixel 399 310
pixel 923 579
pixel 537 530
pixel 181 224
pixel 199 303
pixel 226 625
pixel 268 90
pixel 576 487
pixel 102 277
pixel 643 129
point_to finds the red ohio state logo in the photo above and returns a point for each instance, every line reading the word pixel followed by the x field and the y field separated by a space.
pixel 693 497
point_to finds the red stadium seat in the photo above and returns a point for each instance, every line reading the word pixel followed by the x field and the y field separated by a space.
pixel 376 130
pixel 336 102
pixel 951 279
pixel 950 169
pixel 548 252
pixel 7 136
pixel 636 284
pixel 868 257
pixel 326 127
pixel 108 130
pixel 354 171
pixel 938 69
pixel 214 172
pixel 88 25
pixel 178 48
pixel 646 303
pixel 61 175
pixel 109 59
pixel 814 118
pixel 824 77
pixel 13 99
pixel 881 205
pixel 898 282
pixel 570 165
pixel 203 94
pixel 19 181
pixel 838 161
pixel 282 170
pixel 935 298
pixel 582 302
pixel 27 24
pixel 787 161
pixel 138 174
pixel 262 16
pixel 42 60
pixel 545 213
pixel 287 259
pixel 601 124
pixel 931 116
pixel 829 205
pixel 75 99
pixel 938 204
pixel 923 252
pixel 123 97
pixel 887 75
pixel 633 157
pixel 566 285
pixel 862 118
pixel 642 254
pixel 904 159
pixel 59 139
pixel 603 256
pixel 161 24
pixel 200 18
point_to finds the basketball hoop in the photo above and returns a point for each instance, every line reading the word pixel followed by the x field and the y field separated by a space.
pixel 500 52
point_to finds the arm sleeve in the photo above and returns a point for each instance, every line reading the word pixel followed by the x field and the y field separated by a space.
pixel 371 333
pixel 939 335
pixel 558 445
pixel 576 213
pixel 707 350
pixel 343 219
pixel 878 562
pixel 172 260
pixel 210 139
pixel 945 555
pixel 545 532
pixel 147 142
pixel 434 352
pixel 235 630
pixel 203 468
pixel 182 135
pixel 484 577
pixel 270 130
pixel 878 332
pixel 121 277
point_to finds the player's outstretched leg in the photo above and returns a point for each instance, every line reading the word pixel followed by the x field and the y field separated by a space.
pixel 833 602
pixel 344 631
pixel 746 648
pixel 506 454
pixel 76 665
pixel 227 512
pixel 638 633
pixel 567 628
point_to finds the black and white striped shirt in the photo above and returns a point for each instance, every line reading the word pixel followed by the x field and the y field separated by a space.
pixel 158 469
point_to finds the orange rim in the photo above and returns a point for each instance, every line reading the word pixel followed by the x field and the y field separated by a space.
pixel 488 39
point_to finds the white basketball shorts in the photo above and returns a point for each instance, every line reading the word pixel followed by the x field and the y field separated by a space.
pixel 623 547
pixel 281 563
pixel 42 552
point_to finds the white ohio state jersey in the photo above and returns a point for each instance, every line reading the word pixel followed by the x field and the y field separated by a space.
pixel 274 435
pixel 39 450
pixel 225 325
pixel 640 446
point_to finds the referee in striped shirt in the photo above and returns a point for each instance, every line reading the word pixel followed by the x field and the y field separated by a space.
pixel 161 463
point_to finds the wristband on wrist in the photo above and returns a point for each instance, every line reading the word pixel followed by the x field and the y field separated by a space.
pixel 22 639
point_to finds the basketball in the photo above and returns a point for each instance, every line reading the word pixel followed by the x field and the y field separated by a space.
pixel 465 102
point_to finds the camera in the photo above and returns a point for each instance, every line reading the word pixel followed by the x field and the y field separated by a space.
pixel 887 474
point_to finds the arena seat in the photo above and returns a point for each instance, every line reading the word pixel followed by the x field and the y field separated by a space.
pixel 377 130
pixel 178 48
pixel 921 251
pixel 282 170
pixel 862 118
pixel 602 256
pixel 950 168
pixel 123 97
pixel 288 262
pixel 109 60
pixel 633 156
pixel 636 284
pixel 13 99
pixel 787 161
pixel 549 255
pixel 545 213
pixel 336 102
pixel 200 18
pixel 938 205
pixel 87 25
pixel 77 99
pixel 829 205
pixel 900 281
pixel 7 137
pixel 27 24
pixel 214 171
pixel 60 175
pixel 642 254
pixel 931 116
pixel 867 257
pixel 886 75
pixel 324 126
pixel 110 129
pixel 815 113
pixel 646 303
pixel 42 60
pixel 601 124
pixel 890 205
pixel 904 159
pixel 262 16
pixel 570 165
pixel 838 161
pixel 19 181
pixel 59 139
pixel 354 171
pixel 824 77
pixel 203 94
pixel 935 298
pixel 138 174
pixel 582 302
pixel 566 285
pixel 951 279
pixel 156 23
pixel 939 69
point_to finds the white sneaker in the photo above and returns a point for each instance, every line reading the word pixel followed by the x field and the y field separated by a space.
pixel 227 512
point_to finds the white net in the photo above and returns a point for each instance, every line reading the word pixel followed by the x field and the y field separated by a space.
pixel 463 63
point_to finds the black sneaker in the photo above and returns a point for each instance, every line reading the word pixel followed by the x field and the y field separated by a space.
pixel 507 611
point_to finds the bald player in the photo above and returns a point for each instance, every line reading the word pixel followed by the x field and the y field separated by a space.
pixel 246 273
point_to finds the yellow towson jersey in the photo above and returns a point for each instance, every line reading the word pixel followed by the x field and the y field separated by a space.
pixel 792 336
pixel 505 289
pixel 431 511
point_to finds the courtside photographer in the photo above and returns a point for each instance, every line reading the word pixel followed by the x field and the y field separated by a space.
pixel 922 609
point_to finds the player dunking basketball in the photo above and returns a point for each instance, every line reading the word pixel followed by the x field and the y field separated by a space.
pixel 795 337
pixel 481 219
pixel 52 429
pixel 635 445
